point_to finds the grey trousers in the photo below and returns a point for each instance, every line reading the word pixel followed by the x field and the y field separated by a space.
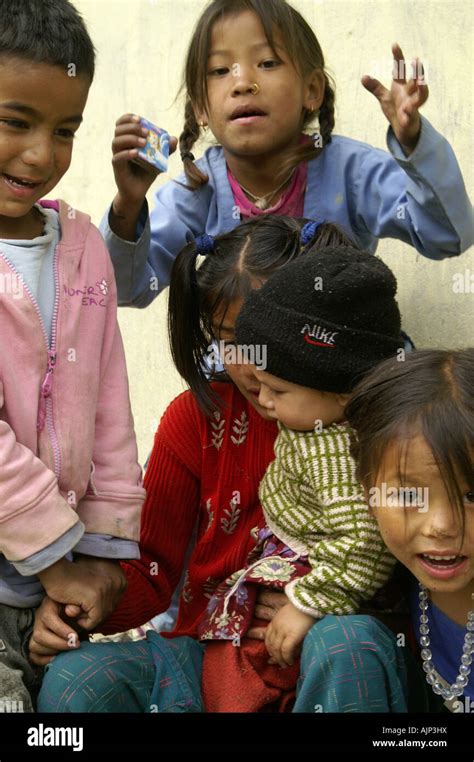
pixel 20 680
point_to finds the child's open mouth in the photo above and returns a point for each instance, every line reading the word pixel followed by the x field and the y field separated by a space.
pixel 22 183
pixel 19 186
pixel 247 115
pixel 443 566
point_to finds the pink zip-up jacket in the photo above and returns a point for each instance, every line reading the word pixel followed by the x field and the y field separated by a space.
pixel 67 444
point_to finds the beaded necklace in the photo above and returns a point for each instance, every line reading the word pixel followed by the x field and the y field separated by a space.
pixel 438 686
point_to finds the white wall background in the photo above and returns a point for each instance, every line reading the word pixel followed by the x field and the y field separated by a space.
pixel 141 47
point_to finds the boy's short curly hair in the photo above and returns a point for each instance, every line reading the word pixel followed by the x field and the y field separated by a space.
pixel 46 31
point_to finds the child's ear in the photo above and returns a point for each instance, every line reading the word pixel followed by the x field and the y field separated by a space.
pixel 343 399
pixel 201 115
pixel 315 89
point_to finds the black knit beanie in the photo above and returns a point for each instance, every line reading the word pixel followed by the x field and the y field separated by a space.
pixel 326 319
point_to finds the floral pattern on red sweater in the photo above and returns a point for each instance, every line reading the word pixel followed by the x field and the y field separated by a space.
pixel 203 474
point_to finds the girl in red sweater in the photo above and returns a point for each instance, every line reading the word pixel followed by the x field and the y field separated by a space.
pixel 210 452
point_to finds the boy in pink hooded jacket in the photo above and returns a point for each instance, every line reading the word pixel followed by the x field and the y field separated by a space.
pixel 70 483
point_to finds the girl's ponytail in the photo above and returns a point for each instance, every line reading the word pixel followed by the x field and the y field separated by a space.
pixel 311 149
pixel 188 342
pixel 187 139
pixel 319 236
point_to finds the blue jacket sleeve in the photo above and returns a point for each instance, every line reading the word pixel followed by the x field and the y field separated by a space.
pixel 48 556
pixel 425 205
pixel 143 269
pixel 106 546
pixel 101 546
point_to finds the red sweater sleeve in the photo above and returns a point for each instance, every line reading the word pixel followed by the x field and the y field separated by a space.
pixel 172 483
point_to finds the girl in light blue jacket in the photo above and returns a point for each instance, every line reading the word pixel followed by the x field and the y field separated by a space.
pixel 255 78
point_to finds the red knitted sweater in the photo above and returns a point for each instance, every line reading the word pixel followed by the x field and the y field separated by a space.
pixel 204 470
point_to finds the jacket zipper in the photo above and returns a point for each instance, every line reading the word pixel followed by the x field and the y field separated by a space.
pixel 45 409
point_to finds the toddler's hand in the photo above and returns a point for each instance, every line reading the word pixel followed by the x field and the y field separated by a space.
pixel 285 633
pixel 267 605
pixel 400 104
pixel 133 180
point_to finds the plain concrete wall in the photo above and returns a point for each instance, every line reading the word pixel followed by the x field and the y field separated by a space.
pixel 141 47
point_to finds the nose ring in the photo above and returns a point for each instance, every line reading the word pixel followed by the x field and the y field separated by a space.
pixel 255 89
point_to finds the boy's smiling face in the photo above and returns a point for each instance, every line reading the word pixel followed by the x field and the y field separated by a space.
pixel 40 110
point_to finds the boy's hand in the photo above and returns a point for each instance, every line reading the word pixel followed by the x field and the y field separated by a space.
pixel 94 585
pixel 51 634
pixel 133 181
pixel 114 589
pixel 285 633
pixel 400 104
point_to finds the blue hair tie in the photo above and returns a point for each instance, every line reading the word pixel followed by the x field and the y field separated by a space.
pixel 308 232
pixel 204 244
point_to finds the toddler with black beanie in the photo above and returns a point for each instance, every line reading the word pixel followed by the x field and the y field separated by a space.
pixel 325 320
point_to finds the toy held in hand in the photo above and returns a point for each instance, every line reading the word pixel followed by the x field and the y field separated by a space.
pixel 156 150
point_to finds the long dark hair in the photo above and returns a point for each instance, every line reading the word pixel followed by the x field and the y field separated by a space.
pixel 239 260
pixel 430 392
pixel 303 49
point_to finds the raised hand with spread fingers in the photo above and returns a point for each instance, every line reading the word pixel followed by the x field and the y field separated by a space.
pixel 402 102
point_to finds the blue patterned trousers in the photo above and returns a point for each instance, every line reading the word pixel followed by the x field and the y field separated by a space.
pixel 348 664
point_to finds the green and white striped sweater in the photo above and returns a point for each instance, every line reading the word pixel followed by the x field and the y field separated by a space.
pixel 313 502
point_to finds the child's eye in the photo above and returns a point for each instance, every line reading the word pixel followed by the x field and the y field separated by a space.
pixel 64 133
pixel 220 71
pixel 469 496
pixel 270 64
pixel 16 123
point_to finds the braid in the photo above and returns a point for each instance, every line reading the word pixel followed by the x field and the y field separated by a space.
pixel 326 112
pixel 187 139
pixel 309 151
